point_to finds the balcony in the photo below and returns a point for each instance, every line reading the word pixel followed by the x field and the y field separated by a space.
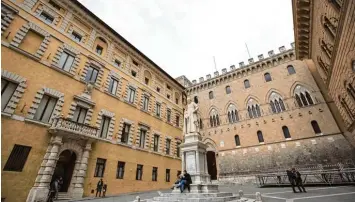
pixel 68 128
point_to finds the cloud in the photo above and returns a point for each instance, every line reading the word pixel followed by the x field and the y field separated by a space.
pixel 183 36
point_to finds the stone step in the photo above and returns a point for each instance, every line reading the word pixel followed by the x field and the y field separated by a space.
pixel 197 195
pixel 191 199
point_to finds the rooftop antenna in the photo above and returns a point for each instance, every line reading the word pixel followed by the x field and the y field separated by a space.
pixel 214 60
pixel 247 50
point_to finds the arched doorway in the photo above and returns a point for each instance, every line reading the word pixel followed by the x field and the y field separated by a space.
pixel 64 168
pixel 211 165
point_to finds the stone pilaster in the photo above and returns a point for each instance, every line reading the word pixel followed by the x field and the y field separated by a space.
pixel 78 190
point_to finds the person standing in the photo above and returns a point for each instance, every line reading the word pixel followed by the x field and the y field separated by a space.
pixel 298 180
pixel 53 191
pixel 99 187
pixel 291 178
pixel 104 189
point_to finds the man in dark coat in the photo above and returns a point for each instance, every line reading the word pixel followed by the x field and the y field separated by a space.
pixel 298 180
pixel 291 177
pixel 99 186
pixel 187 178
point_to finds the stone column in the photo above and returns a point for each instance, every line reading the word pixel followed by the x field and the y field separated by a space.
pixel 78 190
pixel 198 162
pixel 40 189
pixel 183 162
pixel 74 177
pixel 206 166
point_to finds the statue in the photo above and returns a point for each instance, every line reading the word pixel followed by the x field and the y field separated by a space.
pixel 191 118
pixel 88 88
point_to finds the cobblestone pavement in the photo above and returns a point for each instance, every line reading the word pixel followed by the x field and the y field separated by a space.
pixel 273 194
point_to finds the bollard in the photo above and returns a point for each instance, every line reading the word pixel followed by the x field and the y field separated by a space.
pixel 138 199
pixel 258 197
pixel 241 194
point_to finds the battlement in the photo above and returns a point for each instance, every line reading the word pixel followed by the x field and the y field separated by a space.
pixel 273 60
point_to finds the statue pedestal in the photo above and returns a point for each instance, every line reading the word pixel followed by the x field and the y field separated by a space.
pixel 194 161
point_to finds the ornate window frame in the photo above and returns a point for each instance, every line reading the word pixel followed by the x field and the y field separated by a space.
pixel 131 132
pixel 7 16
pixel 15 99
pixel 83 104
pixel 109 114
pixel 126 98
pixel 96 65
pixel 117 77
pixel 143 126
pixel 67 48
pixel 44 8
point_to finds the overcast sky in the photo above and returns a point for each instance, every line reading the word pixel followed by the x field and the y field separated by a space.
pixel 182 36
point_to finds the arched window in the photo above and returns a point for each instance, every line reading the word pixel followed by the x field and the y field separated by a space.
pixel 228 90
pixel 210 94
pixel 196 99
pixel 232 114
pixel 315 127
pixel 336 3
pixel 267 77
pixel 214 118
pixel 253 109
pixel 286 132
pixel 353 65
pixel 201 124
pixel 350 89
pixel 237 141
pixel 324 66
pixel 303 97
pixel 276 103
pixel 291 70
pixel 330 25
pixel 260 136
pixel 327 48
pixel 246 83
pixel 345 105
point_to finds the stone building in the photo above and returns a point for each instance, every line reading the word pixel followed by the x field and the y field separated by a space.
pixel 79 101
pixel 324 39
pixel 267 115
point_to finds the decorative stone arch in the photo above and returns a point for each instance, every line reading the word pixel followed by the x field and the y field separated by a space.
pixel 211 145
pixel 271 91
pixel 20 35
pixel 251 98
pixel 44 8
pixel 19 91
pixel 73 51
pixel 226 107
pixel 296 83
pixel 73 146
pixel 38 97
pixel 109 114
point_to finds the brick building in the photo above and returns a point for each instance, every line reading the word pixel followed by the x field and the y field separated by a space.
pixel 81 102
pixel 267 115
pixel 324 39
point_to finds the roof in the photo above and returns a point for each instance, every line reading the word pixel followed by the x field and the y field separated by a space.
pixel 125 41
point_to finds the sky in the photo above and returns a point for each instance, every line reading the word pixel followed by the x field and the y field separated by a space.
pixel 183 36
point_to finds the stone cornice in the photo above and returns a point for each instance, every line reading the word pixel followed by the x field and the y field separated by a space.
pixel 302 16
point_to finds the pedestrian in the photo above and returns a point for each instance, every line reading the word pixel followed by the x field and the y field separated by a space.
pixel 53 190
pixel 60 185
pixel 177 182
pixel 299 182
pixel 99 187
pixel 291 178
pixel 186 181
pixel 104 189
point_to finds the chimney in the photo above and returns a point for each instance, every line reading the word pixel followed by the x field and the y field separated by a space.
pixel 232 67
pixel 293 45
pixel 241 64
pixel 194 82
pixel 216 73
pixel 201 79
pixel 251 60
pixel 208 76
pixel 224 70
pixel 271 53
pixel 282 49
pixel 261 57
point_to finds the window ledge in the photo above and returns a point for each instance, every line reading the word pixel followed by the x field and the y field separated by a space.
pixel 124 144
pixel 129 103
pixel 288 138
pixel 37 122
pixel 145 111
pixel 57 68
pixel 6 114
pixel 25 53
pixel 319 134
pixel 261 142
pixel 112 95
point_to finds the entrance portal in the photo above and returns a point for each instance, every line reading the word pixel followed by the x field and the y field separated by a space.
pixel 211 165
pixel 65 168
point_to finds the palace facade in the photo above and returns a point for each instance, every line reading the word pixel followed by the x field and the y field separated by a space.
pixel 79 101
pixel 267 116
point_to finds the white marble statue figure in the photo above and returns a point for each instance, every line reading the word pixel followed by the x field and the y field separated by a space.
pixel 191 121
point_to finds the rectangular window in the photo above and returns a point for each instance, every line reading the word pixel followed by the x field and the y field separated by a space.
pixel 139 172
pixel 105 123
pixel 177 120
pixel 100 167
pixel 146 81
pixel 120 170
pixel 168 87
pixel 145 103
pixel 178 173
pixel 117 63
pixel 54 5
pixel 80 114
pixel 131 95
pixel 167 175
pixel 66 61
pixel 177 101
pixel 155 174
pixel 168 96
pixel 142 138
pixel 135 63
pixel 178 149
pixel 133 73
pixel 46 17
pixel 156 143
pixel 112 88
pixel 45 108
pixel 77 37
pixel 168 115
pixel 125 133
pixel 91 75
pixel 158 89
pixel 157 109
pixel 168 142
pixel 99 49
pixel 7 90
pixel 17 158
